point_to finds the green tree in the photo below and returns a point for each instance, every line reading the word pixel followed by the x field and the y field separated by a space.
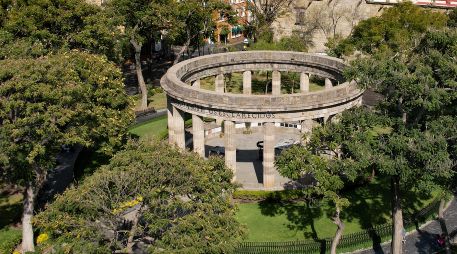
pixel 66 99
pixel 452 22
pixel 419 91
pixel 264 14
pixel 142 20
pixel 298 162
pixel 39 27
pixel 197 21
pixel 335 154
pixel 397 29
pixel 167 200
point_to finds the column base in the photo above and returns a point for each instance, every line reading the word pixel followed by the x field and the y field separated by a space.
pixel 268 181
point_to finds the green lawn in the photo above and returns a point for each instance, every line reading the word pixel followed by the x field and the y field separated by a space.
pixel 157 101
pixel 9 238
pixel 10 213
pixel 269 221
pixel 156 127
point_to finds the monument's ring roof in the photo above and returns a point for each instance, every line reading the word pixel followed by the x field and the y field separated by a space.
pixel 174 81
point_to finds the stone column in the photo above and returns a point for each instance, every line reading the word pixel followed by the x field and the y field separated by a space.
pixel 306 129
pixel 306 126
pixel 220 83
pixel 178 119
pixel 276 83
pixel 230 147
pixel 171 124
pixel 328 83
pixel 196 83
pixel 247 82
pixel 304 82
pixel 269 155
pixel 198 131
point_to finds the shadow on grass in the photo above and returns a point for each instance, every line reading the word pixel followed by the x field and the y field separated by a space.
pixel 10 208
pixel 370 206
pixel 300 215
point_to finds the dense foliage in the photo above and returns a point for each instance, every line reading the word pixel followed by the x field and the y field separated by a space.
pixel 291 43
pixel 65 99
pixel 71 98
pixel 173 202
pixel 409 59
pixel 39 27
pixel 397 29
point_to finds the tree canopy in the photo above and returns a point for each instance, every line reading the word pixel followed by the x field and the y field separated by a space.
pixel 419 92
pixel 397 29
pixel 151 194
pixel 39 27
pixel 65 99
pixel 410 60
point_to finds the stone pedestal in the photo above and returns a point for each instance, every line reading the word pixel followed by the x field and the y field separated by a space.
pixel 269 156
pixel 171 125
pixel 328 83
pixel 219 83
pixel 196 83
pixel 304 82
pixel 276 83
pixel 247 82
pixel 178 120
pixel 198 131
pixel 230 147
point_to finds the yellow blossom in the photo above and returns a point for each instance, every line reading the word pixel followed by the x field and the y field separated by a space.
pixel 42 238
pixel 128 204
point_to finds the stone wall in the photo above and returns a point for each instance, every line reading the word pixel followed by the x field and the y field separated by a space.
pixel 348 13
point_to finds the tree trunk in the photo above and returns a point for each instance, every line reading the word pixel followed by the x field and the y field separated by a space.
pixel 441 209
pixel 133 230
pixel 139 75
pixel 27 214
pixel 397 217
pixel 339 231
pixel 184 48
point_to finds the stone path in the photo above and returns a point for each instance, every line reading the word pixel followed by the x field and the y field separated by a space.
pixel 424 240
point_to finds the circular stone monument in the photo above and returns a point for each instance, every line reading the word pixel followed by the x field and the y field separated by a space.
pixel 269 111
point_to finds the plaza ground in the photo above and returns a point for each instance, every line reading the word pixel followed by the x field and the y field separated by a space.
pixel 249 169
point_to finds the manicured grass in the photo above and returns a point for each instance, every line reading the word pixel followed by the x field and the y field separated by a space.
pixel 10 213
pixel 9 238
pixel 156 127
pixel 288 221
pixel 157 101
pixel 10 209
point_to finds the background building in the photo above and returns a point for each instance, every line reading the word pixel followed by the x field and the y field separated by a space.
pixel 227 33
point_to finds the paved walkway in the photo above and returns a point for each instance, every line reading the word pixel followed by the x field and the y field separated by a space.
pixel 249 169
pixel 424 240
